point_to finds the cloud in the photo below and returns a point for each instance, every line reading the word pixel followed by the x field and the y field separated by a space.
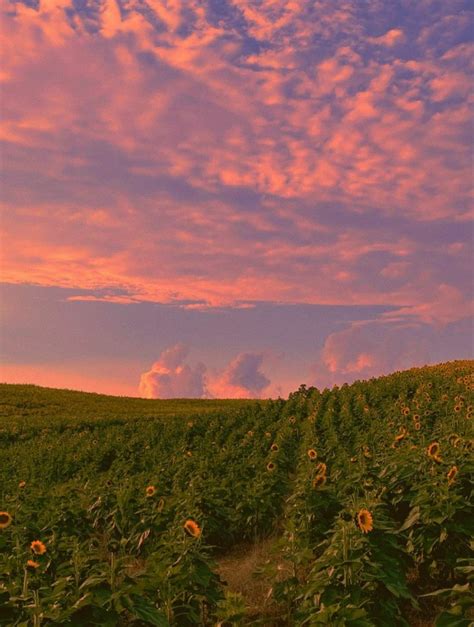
pixel 170 377
pixel 294 153
pixel 372 348
pixel 242 378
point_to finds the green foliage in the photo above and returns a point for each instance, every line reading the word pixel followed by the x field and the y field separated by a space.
pixel 79 465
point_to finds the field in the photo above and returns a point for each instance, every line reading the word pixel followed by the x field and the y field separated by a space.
pixel 347 506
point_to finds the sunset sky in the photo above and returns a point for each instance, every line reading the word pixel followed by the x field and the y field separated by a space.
pixel 229 198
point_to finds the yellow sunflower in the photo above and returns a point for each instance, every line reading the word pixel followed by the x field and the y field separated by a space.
pixel 453 471
pixel 365 520
pixel 274 447
pixel 150 490
pixel 38 547
pixel 270 466
pixel 321 468
pixel 433 451
pixel 32 564
pixel 5 520
pixel 192 528
pixel 312 453
pixel 319 481
pixel 401 435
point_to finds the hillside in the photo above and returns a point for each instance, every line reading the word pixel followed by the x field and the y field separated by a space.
pixel 353 504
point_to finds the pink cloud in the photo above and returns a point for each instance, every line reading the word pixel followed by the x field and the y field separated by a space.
pixel 142 181
pixel 170 377
pixel 390 38
pixel 242 378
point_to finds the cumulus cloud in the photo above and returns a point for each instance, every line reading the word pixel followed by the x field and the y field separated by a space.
pixel 242 378
pixel 170 377
pixel 371 348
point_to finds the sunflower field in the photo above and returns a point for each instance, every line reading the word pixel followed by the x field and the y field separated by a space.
pixel 117 511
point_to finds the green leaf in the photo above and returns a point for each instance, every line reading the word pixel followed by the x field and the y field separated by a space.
pixel 143 609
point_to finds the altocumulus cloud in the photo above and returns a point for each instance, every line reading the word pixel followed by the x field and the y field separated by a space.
pixel 171 377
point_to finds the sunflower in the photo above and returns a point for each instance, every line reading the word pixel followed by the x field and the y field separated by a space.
pixel 433 451
pixel 312 453
pixel 401 435
pixel 192 528
pixel 292 420
pixel 417 425
pixel 321 468
pixel 365 520
pixel 454 439
pixel 150 490
pixel 457 408
pixel 22 484
pixel 406 411
pixel 453 471
pixel 416 417
pixel 274 447
pixel 319 481
pixel 270 466
pixel 5 520
pixel 38 547
pixel 32 564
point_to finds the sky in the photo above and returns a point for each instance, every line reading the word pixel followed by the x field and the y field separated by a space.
pixel 230 198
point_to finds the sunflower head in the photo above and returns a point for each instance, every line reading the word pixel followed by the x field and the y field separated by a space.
pixel 38 547
pixel 365 520
pixel 457 408
pixel 406 411
pixel 321 468
pixel 319 481
pixel 433 451
pixel 453 471
pixel 274 447
pixel 191 527
pixel 312 453
pixel 270 466
pixel 32 564
pixel 401 435
pixel 417 425
pixel 150 491
pixel 5 520
pixel 22 484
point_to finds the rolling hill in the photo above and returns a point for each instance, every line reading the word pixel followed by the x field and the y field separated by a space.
pixel 346 506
